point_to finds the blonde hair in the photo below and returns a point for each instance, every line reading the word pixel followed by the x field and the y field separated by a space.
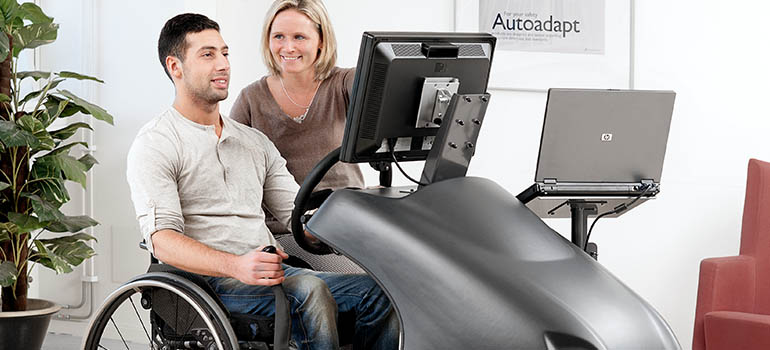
pixel 316 12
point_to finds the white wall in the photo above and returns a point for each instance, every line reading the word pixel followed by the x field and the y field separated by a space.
pixel 718 69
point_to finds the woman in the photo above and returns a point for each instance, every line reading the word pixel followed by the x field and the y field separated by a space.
pixel 301 105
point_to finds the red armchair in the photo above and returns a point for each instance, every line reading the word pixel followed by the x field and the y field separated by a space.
pixel 733 308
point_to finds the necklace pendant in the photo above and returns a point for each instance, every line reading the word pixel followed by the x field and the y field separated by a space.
pixel 300 118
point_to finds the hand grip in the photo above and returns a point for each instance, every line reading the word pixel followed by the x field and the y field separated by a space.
pixel 282 313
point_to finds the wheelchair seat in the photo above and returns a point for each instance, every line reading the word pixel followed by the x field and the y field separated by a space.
pixel 252 331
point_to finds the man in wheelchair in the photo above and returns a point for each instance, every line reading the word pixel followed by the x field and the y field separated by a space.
pixel 198 183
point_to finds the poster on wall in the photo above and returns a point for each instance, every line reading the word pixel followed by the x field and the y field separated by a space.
pixel 563 26
pixel 590 47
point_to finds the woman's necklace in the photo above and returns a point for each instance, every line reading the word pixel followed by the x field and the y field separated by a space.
pixel 299 119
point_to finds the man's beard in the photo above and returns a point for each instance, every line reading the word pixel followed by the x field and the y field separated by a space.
pixel 206 94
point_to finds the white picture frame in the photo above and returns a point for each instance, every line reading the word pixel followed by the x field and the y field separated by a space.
pixel 539 71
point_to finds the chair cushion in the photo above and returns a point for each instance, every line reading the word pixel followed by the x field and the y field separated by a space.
pixel 730 330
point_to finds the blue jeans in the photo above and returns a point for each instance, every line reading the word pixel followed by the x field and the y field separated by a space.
pixel 316 298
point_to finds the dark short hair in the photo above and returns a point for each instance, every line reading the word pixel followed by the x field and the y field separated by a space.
pixel 172 40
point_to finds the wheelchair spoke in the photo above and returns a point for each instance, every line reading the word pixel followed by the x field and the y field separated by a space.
pixel 120 334
pixel 177 315
pixel 140 320
pixel 191 324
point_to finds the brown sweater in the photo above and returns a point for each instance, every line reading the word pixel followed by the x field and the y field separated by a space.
pixel 304 145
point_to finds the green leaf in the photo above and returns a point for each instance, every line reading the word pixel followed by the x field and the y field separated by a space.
pixel 10 10
pixel 4 185
pixel 74 253
pixel 49 181
pixel 17 22
pixel 66 147
pixel 51 260
pixel 25 223
pixel 35 74
pixel 6 230
pixel 33 35
pixel 73 170
pixel 78 76
pixel 54 108
pixel 62 108
pixel 12 135
pixel 71 224
pixel 69 130
pixel 62 253
pixel 4 98
pixel 34 14
pixel 34 126
pixel 88 160
pixel 32 95
pixel 28 123
pixel 45 210
pixel 2 15
pixel 94 110
pixel 78 237
pixel 7 273
pixel 5 46
pixel 52 190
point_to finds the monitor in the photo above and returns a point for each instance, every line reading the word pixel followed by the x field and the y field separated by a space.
pixel 402 87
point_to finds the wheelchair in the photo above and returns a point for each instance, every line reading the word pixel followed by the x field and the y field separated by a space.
pixel 175 309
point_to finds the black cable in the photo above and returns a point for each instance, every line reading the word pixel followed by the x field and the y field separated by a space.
pixel 620 208
pixel 393 155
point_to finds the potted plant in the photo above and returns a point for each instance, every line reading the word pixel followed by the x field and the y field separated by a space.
pixel 35 162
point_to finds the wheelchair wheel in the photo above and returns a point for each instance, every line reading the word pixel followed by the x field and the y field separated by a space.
pixel 160 310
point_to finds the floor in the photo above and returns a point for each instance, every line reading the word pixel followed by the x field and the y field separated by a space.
pixel 54 341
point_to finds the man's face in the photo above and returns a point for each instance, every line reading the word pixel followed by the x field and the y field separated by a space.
pixel 206 68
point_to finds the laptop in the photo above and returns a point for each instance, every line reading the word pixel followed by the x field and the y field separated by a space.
pixel 601 143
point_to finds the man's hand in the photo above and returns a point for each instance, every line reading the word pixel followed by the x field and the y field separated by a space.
pixel 260 268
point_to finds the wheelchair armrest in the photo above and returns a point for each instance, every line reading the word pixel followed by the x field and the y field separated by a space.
pixel 153 259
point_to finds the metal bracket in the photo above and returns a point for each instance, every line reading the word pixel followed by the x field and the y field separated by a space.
pixel 455 141
pixel 434 101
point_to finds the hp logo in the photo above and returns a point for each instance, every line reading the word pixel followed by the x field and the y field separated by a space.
pixel 606 137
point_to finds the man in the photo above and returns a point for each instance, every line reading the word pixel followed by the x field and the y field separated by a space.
pixel 198 182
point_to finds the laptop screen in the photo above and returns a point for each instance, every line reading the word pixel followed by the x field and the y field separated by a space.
pixel 604 135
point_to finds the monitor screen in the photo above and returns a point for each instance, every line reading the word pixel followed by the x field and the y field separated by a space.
pixel 403 83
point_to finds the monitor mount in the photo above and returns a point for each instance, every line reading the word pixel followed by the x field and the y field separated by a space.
pixel 455 143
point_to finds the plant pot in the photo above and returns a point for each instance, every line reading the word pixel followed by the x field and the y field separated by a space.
pixel 26 329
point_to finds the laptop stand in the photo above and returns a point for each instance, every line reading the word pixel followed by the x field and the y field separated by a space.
pixel 580 208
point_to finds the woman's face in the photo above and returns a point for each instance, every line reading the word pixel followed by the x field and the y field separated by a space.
pixel 294 42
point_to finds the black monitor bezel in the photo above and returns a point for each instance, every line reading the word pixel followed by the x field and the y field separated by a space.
pixel 369 41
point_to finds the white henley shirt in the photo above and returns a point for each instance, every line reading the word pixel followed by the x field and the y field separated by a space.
pixel 184 178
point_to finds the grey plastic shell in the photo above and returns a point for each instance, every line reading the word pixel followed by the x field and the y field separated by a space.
pixel 468 266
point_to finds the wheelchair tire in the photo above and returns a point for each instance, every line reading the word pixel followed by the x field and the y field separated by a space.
pixel 213 332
